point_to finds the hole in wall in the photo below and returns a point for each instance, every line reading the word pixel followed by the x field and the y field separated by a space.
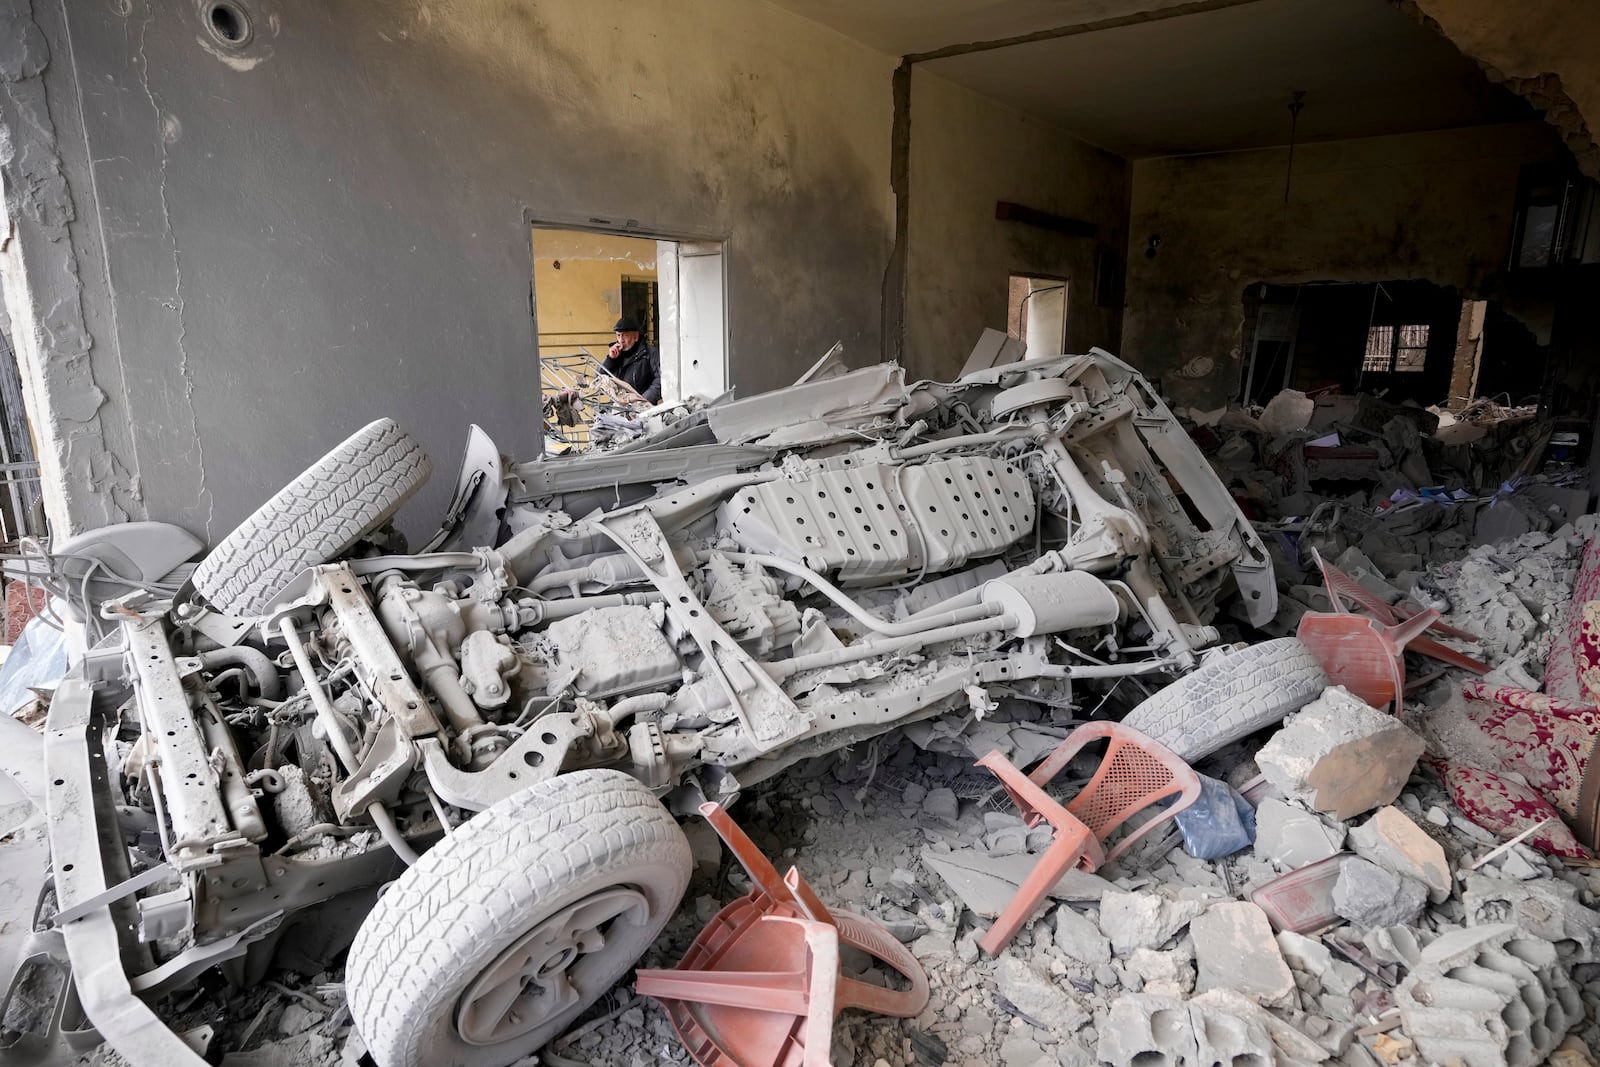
pixel 228 23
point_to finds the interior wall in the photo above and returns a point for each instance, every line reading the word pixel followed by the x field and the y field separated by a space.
pixel 265 248
pixel 1432 207
pixel 582 296
pixel 967 153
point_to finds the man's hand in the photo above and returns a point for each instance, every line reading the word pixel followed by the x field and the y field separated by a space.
pixel 615 350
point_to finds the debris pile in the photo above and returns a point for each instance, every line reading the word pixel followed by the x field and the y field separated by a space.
pixel 1166 957
pixel 1404 485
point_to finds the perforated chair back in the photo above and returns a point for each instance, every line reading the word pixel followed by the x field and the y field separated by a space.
pixel 1135 773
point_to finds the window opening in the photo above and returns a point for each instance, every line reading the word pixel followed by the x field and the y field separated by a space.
pixel 584 283
pixel 1397 349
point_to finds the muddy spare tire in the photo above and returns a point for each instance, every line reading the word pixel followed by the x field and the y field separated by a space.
pixel 347 493
pixel 1229 696
pixel 506 930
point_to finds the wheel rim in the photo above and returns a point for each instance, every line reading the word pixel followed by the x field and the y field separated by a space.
pixel 540 975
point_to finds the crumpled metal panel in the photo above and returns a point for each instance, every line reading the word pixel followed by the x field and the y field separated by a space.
pixel 868 521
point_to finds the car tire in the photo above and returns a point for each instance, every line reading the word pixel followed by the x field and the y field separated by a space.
pixel 513 882
pixel 346 494
pixel 1229 696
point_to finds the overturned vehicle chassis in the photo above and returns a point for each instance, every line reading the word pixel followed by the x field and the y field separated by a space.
pixel 585 641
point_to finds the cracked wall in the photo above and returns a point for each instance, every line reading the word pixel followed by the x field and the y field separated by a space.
pixel 242 255
pixel 1431 207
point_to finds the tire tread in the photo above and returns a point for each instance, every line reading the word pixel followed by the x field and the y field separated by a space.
pixel 347 493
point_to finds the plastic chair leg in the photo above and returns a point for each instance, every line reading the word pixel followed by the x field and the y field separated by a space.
pixel 1057 860
pixel 1071 839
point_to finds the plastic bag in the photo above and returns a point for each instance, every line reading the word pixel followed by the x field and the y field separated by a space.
pixel 38 659
pixel 1218 824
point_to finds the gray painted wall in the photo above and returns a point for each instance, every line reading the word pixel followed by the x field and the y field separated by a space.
pixel 967 152
pixel 279 244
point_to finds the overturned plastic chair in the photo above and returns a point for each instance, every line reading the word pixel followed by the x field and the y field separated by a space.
pixel 1135 773
pixel 1366 653
pixel 761 984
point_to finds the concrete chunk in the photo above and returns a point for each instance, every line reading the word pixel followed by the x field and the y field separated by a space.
pixel 1340 755
pixel 1080 938
pixel 1393 841
pixel 1235 949
pixel 1143 920
pixel 1289 1045
pixel 1219 1027
pixel 1292 837
pixel 1372 897
pixel 987 883
pixel 1169 974
pixel 1488 996
pixel 1545 907
pixel 1038 997
pixel 1151 1032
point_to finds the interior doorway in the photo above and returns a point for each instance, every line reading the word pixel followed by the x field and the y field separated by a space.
pixel 585 282
pixel 1037 315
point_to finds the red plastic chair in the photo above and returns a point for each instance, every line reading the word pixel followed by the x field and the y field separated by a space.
pixel 1365 654
pixel 1135 773
pixel 760 986
pixel 1362 654
pixel 1342 586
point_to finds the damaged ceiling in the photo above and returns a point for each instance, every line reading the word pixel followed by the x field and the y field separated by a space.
pixel 1170 79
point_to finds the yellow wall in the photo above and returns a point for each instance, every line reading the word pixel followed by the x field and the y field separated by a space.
pixel 580 302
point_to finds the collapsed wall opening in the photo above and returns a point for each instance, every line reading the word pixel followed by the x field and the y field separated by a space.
pixel 1409 340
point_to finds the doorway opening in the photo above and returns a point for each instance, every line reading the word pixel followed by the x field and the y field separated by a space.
pixel 1037 315
pixel 585 282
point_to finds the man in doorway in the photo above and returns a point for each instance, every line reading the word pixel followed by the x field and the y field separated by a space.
pixel 634 360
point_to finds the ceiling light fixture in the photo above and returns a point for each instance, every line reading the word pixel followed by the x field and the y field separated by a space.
pixel 1297 102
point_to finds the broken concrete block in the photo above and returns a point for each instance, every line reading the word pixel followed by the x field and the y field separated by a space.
pixel 1018 1050
pixel 1163 974
pixel 1219 1027
pixel 1395 944
pixel 1340 755
pixel 1304 953
pixel 1488 995
pixel 1287 412
pixel 1080 938
pixel 1292 837
pixel 1038 997
pixel 1547 908
pixel 1291 1046
pixel 1143 920
pixel 1234 949
pixel 941 805
pixel 1151 1032
pixel 1372 897
pixel 987 883
pixel 1393 841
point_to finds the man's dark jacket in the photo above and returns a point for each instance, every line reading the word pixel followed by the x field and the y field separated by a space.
pixel 640 367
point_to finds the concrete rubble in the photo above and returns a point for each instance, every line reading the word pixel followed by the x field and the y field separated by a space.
pixel 1432 954
pixel 1391 840
pixel 1369 896
pixel 1235 949
pixel 1340 755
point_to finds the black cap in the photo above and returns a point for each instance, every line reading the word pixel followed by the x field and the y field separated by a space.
pixel 626 324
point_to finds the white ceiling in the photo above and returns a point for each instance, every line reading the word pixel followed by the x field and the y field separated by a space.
pixel 1210 81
